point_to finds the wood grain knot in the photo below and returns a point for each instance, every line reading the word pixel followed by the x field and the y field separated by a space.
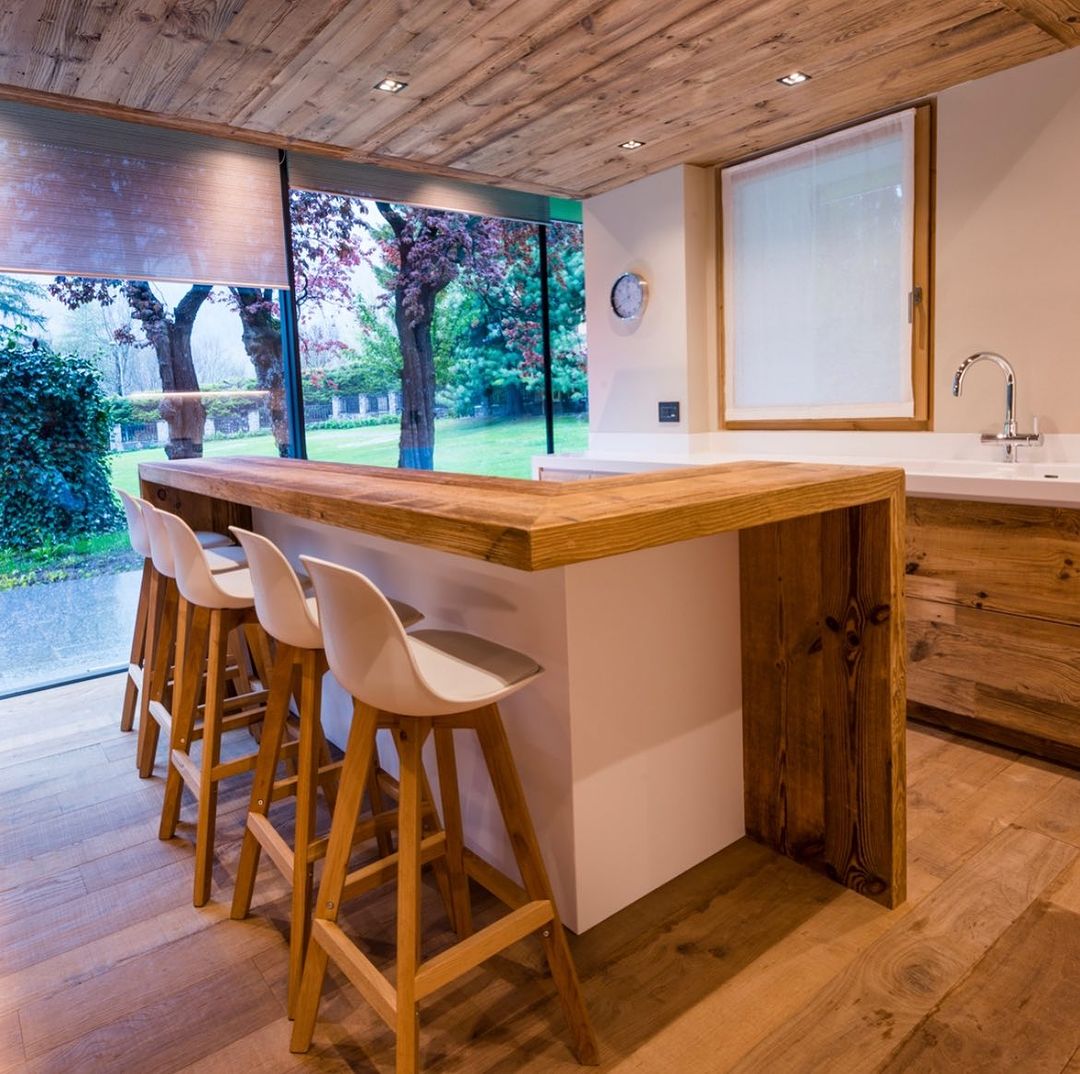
pixel 880 613
pixel 832 624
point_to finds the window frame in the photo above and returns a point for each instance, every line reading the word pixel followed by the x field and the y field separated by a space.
pixel 922 308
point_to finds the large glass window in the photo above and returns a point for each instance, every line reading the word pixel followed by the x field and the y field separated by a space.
pixel 826 263
pixel 422 335
pixel 98 376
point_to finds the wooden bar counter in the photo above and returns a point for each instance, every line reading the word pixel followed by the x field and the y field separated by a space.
pixel 724 646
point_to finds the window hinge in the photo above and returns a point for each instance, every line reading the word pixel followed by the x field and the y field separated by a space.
pixel 914 299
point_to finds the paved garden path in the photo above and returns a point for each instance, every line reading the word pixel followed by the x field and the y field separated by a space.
pixel 62 629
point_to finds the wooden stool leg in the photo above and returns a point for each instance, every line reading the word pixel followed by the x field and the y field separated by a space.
pixel 331 780
pixel 237 657
pixel 138 648
pixel 307 786
pixel 410 739
pixel 461 907
pixel 190 654
pixel 277 711
pixel 430 825
pixel 258 647
pixel 515 812
pixel 160 636
pixel 354 777
pixel 206 825
pixel 378 805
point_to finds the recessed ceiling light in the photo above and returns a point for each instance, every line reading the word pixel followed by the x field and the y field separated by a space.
pixel 391 85
pixel 794 78
pixel 632 144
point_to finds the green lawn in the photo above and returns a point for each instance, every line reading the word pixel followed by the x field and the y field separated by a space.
pixel 465 445
pixel 102 553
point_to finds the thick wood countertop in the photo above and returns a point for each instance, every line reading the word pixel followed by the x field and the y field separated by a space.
pixel 531 525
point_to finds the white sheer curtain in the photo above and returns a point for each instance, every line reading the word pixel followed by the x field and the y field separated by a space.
pixel 84 196
pixel 818 262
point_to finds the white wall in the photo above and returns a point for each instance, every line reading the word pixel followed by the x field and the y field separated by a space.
pixel 664 228
pixel 1008 242
pixel 1007 247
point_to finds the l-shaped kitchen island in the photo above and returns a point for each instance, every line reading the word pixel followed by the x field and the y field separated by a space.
pixel 723 649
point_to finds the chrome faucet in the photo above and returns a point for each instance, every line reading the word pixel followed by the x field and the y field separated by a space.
pixel 1008 438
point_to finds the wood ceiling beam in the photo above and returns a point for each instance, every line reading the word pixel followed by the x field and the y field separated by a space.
pixel 1059 18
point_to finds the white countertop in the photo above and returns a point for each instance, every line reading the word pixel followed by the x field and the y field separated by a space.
pixel 944 466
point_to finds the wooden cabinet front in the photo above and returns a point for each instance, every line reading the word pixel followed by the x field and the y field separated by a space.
pixel 993 621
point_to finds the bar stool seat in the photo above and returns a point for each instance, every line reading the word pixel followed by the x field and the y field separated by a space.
pixel 292 619
pixel 431 681
pixel 467 667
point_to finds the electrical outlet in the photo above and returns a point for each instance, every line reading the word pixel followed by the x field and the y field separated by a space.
pixel 669 411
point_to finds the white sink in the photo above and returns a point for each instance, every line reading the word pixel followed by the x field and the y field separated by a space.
pixel 1053 484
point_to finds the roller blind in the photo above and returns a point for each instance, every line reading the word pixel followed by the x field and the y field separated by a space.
pixel 80 195
pixel 818 266
pixel 309 172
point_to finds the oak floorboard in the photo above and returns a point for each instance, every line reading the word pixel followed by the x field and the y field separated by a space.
pixel 859 1019
pixel 45 894
pixel 137 982
pixel 39 935
pixel 11 1049
pixel 1030 979
pixel 61 858
pixel 163 1036
pixel 746 963
pixel 40 836
pixel 951 775
pixel 943 847
pixel 1058 814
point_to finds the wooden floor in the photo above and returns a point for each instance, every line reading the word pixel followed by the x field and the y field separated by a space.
pixel 746 963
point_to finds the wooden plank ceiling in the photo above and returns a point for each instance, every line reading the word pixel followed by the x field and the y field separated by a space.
pixel 535 94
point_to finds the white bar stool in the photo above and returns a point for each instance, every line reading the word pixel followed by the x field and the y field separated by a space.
pixel 428 680
pixel 140 543
pixel 212 606
pixel 292 620
pixel 162 631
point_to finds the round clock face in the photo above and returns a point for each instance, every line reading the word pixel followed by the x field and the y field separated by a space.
pixel 628 296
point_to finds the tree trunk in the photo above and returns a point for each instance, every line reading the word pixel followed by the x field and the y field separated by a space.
pixel 183 411
pixel 416 449
pixel 262 341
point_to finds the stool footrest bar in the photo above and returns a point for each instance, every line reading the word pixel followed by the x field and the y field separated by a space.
pixel 450 964
pixel 189 771
pixel 498 883
pixel 368 979
pixel 234 768
pixel 283 788
pixel 280 852
pixel 369 877
pixel 364 830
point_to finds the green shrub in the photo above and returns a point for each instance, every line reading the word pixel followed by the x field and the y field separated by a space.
pixel 54 443
pixel 347 421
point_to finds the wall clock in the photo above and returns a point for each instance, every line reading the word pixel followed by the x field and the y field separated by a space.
pixel 628 295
